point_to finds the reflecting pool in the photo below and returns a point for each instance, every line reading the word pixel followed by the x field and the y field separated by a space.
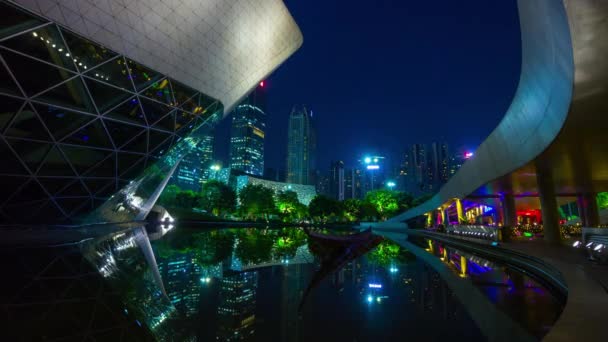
pixel 288 284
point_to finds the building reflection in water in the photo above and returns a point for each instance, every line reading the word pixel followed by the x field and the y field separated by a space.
pixel 237 306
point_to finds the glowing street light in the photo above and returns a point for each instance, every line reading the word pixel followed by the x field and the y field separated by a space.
pixel 367 160
pixel 215 167
pixel 391 184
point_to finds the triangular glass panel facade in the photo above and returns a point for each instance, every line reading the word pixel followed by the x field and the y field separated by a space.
pixel 184 96
pixel 159 91
pixel 10 163
pixel 154 111
pixel 85 159
pixel 32 190
pixel 55 165
pixel 27 125
pixel 157 138
pixel 93 134
pixel 45 44
pixel 30 152
pixel 184 119
pixel 127 161
pixel 70 94
pixel 113 72
pixel 129 111
pixel 79 121
pixel 62 122
pixel 13 20
pixel 137 144
pixel 8 86
pixel 54 185
pixel 98 185
pixel 10 107
pixel 121 132
pixel 10 184
pixel 142 76
pixel 34 76
pixel 86 52
pixel 75 189
pixel 166 123
pixel 106 96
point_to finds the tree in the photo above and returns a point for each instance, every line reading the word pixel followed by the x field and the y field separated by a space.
pixel 256 201
pixel 385 201
pixel 167 197
pixel 217 198
pixel 289 206
pixel 323 207
pixel 352 209
pixel 187 199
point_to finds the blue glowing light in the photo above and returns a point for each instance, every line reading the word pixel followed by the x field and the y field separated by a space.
pixel 370 299
pixel 373 167
pixel 374 286
pixel 368 160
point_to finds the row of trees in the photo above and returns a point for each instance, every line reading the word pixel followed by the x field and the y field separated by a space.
pixel 259 202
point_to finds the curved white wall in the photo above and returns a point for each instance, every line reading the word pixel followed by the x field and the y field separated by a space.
pixel 220 47
pixel 538 110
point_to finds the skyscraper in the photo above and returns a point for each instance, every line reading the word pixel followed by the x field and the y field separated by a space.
pixel 194 168
pixel 424 169
pixel 439 166
pixel 300 146
pixel 336 180
pixel 352 184
pixel 248 132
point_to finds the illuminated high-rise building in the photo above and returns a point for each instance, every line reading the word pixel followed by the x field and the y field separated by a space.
pixel 352 184
pixel 248 132
pixel 337 180
pixel 195 167
pixel 236 310
pixel 180 274
pixel 301 143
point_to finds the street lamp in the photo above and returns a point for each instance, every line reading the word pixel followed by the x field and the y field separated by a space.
pixel 367 160
pixel 390 184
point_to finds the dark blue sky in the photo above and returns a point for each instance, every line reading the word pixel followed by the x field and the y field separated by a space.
pixel 381 74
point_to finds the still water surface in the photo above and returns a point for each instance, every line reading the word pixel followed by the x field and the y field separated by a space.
pixel 286 285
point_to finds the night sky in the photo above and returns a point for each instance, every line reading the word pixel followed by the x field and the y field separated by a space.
pixel 379 75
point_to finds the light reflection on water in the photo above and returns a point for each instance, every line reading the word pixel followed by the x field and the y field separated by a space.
pixel 281 284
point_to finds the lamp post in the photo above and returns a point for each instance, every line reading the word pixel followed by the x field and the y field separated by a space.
pixel 391 185
pixel 215 168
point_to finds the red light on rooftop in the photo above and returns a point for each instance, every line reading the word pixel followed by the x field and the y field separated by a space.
pixel 262 84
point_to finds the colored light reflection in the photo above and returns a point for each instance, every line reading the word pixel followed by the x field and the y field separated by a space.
pixel 373 167
pixel 468 155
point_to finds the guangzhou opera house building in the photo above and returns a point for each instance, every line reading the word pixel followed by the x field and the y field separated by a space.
pixel 548 156
pixel 100 100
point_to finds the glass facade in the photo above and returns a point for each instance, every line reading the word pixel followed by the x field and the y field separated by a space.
pixel 301 144
pixel 78 121
pixel 247 139
pixel 195 168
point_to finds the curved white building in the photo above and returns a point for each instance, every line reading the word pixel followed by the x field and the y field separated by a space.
pixel 94 92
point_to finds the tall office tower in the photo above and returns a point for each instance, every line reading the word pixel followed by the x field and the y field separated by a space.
pixel 352 184
pixel 419 168
pixel 438 166
pixel 195 167
pixel 375 173
pixel 236 310
pixel 457 159
pixel 301 143
pixel 336 180
pixel 248 132
pixel 181 275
